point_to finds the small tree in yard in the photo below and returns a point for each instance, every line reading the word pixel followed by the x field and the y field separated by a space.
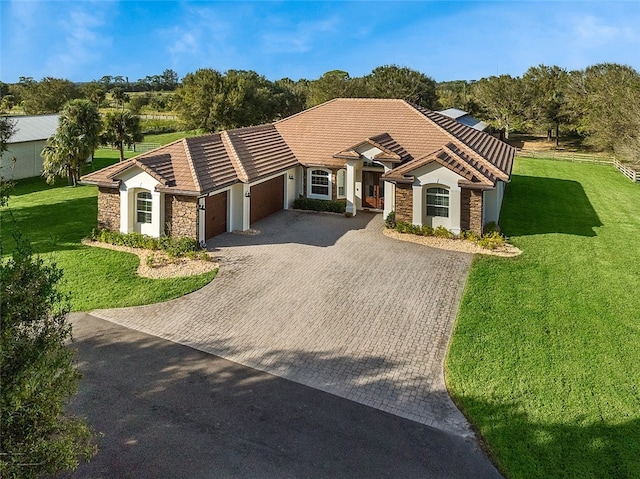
pixel 36 371
pixel 121 128
pixel 75 140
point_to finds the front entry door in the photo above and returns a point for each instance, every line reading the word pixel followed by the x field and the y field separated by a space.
pixel 373 190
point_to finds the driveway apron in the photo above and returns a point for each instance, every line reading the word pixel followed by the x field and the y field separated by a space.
pixel 328 302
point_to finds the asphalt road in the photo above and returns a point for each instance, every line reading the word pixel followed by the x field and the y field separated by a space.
pixel 168 411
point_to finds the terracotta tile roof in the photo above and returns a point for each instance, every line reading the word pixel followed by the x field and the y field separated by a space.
pixel 450 157
pixel 390 149
pixel 206 163
pixel 322 136
pixel 315 135
pixel 261 151
pixel 498 154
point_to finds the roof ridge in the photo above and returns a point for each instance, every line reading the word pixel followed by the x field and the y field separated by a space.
pixel 462 160
pixel 497 172
pixel 233 155
pixel 304 111
pixel 192 166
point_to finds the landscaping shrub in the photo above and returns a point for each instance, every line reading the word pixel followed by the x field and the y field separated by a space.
pixel 312 204
pixel 390 221
pixel 491 240
pixel 442 232
pixel 470 236
pixel 174 247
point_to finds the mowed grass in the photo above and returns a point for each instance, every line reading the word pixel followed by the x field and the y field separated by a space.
pixel 55 219
pixel 545 357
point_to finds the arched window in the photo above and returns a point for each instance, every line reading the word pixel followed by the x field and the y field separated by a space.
pixel 143 207
pixel 320 184
pixel 341 180
pixel 438 202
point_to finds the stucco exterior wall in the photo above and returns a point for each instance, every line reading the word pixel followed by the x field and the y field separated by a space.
pixel 492 203
pixel 109 209
pixel 436 175
pixel 181 216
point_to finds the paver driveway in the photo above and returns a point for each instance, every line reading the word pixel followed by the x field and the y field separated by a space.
pixel 329 302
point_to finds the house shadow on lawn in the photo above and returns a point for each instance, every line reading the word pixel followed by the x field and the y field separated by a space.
pixel 295 226
pixel 166 410
pixel 561 447
pixel 534 205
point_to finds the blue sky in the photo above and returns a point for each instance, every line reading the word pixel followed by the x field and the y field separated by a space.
pixel 84 40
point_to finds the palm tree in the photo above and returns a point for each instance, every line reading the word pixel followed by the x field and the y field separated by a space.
pixel 75 140
pixel 121 128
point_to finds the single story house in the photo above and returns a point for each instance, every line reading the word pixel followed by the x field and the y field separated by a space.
pixel 377 154
pixel 26 144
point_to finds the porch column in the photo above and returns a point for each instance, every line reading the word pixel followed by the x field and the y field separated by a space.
pixel 351 188
pixel 246 207
pixel 389 194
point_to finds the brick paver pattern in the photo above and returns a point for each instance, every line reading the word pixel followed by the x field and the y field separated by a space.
pixel 329 302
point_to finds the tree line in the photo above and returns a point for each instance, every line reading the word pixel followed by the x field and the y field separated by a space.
pixel 599 104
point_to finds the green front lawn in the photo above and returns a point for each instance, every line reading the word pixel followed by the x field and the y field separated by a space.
pixel 545 357
pixel 56 218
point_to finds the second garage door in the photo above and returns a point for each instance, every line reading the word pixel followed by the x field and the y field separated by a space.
pixel 215 221
pixel 267 198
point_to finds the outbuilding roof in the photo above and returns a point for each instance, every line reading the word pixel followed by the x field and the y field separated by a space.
pixel 33 128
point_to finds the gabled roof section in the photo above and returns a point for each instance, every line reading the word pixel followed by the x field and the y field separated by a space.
pixel 478 144
pixel 448 156
pixel 199 165
pixel 390 150
pixel 188 166
pixel 259 151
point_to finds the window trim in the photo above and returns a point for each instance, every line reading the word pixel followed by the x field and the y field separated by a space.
pixel 440 192
pixel 310 184
pixel 148 213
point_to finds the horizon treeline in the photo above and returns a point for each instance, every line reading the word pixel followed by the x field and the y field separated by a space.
pixel 600 104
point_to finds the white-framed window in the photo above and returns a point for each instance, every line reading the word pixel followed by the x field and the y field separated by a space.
pixel 319 184
pixel 143 207
pixel 341 180
pixel 438 202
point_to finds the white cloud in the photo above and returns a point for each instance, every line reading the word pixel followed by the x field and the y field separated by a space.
pixel 82 39
pixel 299 38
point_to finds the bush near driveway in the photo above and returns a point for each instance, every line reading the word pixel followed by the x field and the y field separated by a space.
pixel 545 353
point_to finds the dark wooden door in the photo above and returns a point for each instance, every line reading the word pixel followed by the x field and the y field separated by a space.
pixel 373 190
pixel 267 198
pixel 215 220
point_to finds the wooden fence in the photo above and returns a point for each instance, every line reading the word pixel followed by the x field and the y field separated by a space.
pixel 628 171
pixel 566 156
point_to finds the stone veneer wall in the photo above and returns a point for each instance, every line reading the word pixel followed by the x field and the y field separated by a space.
pixel 404 202
pixel 109 208
pixel 181 216
pixel 471 210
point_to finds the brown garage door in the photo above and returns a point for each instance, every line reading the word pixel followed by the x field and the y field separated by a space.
pixel 215 215
pixel 267 198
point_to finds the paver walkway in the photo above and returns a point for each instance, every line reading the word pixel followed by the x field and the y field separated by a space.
pixel 329 302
